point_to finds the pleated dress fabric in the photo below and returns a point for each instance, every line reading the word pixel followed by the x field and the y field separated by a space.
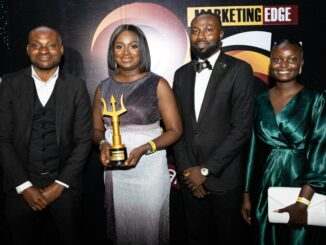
pixel 287 149
pixel 137 199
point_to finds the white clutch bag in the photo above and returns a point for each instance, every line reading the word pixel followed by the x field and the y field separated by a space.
pixel 281 197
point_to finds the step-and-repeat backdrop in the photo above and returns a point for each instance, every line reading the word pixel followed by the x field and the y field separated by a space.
pixel 86 25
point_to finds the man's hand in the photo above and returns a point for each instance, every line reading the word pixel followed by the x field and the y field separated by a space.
pixel 52 192
pixel 193 178
pixel 200 192
pixel 33 196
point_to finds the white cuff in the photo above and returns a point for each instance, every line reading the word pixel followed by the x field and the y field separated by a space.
pixel 23 187
pixel 61 183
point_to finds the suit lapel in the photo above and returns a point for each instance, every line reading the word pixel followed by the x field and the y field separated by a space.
pixel 218 70
pixel 27 101
pixel 60 97
pixel 191 93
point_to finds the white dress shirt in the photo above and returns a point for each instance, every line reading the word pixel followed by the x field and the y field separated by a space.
pixel 201 83
pixel 44 91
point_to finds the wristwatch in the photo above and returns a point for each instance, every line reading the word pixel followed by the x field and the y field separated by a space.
pixel 204 171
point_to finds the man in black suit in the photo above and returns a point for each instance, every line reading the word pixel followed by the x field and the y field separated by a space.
pixel 214 93
pixel 45 138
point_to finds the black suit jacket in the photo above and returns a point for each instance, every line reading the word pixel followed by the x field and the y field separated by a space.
pixel 73 127
pixel 217 139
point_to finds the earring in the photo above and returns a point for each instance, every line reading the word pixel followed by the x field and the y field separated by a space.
pixel 300 71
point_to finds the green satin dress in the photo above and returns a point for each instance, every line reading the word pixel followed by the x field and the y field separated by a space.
pixel 287 149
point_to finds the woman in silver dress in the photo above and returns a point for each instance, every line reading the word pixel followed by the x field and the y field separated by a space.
pixel 136 194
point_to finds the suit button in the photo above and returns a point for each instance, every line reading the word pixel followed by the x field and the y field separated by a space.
pixel 197 133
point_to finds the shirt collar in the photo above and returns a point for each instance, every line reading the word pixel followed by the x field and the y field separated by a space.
pixel 212 59
pixel 54 76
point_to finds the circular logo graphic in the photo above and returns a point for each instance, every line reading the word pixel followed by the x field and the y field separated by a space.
pixel 253 46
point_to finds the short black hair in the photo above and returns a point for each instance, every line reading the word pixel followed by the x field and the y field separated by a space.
pixel 216 16
pixel 45 28
pixel 288 41
pixel 145 58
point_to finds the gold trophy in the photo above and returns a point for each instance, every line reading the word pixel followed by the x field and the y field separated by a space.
pixel 118 151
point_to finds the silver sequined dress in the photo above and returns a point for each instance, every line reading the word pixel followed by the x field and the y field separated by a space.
pixel 137 200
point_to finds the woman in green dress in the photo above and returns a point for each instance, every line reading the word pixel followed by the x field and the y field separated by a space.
pixel 287 149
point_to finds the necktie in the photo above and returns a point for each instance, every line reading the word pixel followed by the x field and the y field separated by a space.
pixel 201 65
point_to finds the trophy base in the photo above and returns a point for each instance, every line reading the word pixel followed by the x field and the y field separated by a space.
pixel 117 158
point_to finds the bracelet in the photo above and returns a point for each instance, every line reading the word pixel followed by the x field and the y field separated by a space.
pixel 303 200
pixel 102 142
pixel 153 147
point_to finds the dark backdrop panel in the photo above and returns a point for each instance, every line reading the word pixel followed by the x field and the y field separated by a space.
pixel 78 20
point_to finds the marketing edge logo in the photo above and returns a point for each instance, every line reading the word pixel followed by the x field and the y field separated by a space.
pixel 250 15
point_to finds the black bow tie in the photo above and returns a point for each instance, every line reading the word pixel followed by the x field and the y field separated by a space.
pixel 201 65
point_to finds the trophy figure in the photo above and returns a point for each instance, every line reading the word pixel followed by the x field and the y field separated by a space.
pixel 118 151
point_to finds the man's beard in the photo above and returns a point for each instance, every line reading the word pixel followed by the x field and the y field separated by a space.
pixel 205 53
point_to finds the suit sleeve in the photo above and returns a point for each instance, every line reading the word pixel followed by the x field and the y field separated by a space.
pixel 179 148
pixel 241 122
pixel 11 164
pixel 82 138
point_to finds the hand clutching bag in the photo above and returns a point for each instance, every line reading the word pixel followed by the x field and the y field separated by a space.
pixel 281 197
